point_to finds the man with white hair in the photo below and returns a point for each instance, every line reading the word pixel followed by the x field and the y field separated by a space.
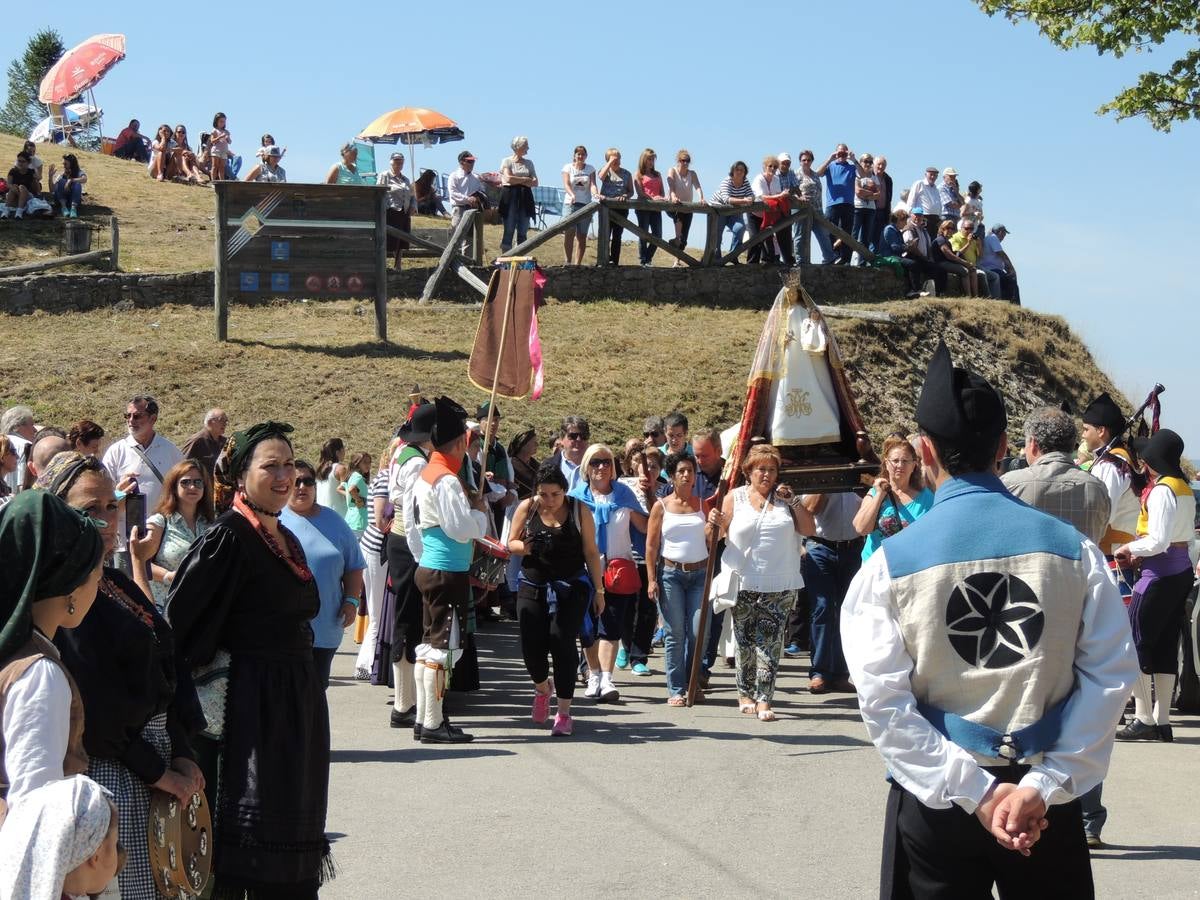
pixel 206 444
pixel 17 423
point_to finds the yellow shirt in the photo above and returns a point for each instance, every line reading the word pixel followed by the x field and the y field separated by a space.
pixel 959 241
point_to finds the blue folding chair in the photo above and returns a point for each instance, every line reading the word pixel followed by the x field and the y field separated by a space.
pixel 547 201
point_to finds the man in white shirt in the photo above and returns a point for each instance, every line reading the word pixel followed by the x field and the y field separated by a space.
pixel 449 522
pixel 465 190
pixel 924 193
pixel 142 455
pixel 992 657
pixel 17 422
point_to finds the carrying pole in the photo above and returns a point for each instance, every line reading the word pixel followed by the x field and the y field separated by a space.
pixel 705 603
pixel 513 263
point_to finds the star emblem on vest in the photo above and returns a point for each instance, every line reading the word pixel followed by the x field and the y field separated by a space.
pixel 994 620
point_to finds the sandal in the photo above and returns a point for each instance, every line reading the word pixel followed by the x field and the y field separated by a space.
pixel 677 700
pixel 766 715
pixel 745 707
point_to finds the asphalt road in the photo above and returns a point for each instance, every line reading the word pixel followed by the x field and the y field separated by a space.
pixel 657 801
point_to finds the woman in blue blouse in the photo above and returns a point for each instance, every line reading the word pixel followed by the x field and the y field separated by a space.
pixel 898 498
pixel 332 552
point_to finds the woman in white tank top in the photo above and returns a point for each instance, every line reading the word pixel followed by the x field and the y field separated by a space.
pixel 676 537
pixel 761 523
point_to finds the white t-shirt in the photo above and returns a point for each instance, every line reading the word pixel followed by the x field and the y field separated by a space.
pixel 620 545
pixel 121 458
pixel 581 181
pixel 864 181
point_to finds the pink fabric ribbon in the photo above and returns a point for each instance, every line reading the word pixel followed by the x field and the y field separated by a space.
pixel 535 342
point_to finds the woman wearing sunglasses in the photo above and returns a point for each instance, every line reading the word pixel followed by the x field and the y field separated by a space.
pixel 898 498
pixel 184 513
pixel 331 548
pixel 616 513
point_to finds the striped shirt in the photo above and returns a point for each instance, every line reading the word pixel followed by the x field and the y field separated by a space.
pixel 728 189
pixel 372 538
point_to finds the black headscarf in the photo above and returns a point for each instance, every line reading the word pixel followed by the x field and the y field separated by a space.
pixel 244 443
pixel 48 549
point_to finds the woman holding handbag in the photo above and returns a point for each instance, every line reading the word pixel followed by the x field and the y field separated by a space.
pixel 558 549
pixel 760 522
pixel 614 509
pixel 897 499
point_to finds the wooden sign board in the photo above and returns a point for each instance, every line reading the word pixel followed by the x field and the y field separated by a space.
pixel 300 241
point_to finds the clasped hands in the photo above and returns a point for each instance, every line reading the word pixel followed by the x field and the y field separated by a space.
pixel 1014 816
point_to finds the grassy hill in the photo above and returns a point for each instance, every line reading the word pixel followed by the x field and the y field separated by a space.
pixel 314 364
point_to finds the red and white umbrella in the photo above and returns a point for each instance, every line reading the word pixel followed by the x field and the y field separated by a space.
pixel 81 67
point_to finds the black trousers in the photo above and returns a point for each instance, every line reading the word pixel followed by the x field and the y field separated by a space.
pixel 945 854
pixel 551 634
pixel 842 215
pixel 614 244
pixel 406 623
pixel 641 617
pixel 764 252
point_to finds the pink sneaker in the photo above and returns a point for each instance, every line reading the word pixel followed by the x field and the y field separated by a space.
pixel 563 723
pixel 541 707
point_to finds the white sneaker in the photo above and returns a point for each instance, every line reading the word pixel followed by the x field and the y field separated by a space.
pixel 20 214
pixel 608 691
pixel 593 687
pixel 4 211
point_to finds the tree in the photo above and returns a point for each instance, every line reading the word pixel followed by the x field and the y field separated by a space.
pixel 22 111
pixel 1163 98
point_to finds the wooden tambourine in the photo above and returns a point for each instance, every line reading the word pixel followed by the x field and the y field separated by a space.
pixel 181 844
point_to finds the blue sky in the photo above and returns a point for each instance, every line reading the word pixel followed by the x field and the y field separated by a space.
pixel 1103 214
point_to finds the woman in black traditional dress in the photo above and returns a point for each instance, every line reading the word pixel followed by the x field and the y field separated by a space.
pixel 244 595
pixel 122 656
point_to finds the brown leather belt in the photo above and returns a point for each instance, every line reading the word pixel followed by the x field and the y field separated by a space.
pixel 686 567
pixel 1183 544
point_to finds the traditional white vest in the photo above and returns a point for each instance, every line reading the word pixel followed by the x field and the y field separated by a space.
pixel 989 594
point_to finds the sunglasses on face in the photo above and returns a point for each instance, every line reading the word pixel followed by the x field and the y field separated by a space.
pixel 306 481
pixel 597 463
pixel 652 434
pixel 197 483
pixel 685 159
pixel 576 436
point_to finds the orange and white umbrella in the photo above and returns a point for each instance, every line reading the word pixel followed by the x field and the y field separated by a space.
pixel 81 67
pixel 412 125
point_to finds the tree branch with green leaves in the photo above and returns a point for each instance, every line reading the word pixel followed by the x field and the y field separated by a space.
pixel 1162 98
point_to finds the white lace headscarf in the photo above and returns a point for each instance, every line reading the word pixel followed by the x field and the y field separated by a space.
pixel 49 832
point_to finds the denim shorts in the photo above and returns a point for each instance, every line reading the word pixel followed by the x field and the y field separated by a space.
pixel 581 228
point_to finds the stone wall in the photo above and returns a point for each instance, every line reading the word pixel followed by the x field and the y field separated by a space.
pixel 743 285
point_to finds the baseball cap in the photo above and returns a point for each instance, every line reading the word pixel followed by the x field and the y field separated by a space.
pixel 783 157
pixel 917 211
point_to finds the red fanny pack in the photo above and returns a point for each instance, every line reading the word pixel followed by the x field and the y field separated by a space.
pixel 621 577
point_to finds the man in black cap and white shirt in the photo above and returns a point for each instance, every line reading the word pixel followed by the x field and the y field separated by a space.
pixel 441 535
pixel 992 657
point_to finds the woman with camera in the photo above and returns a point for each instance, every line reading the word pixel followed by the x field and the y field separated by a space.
pixel 558 546
pixel 897 499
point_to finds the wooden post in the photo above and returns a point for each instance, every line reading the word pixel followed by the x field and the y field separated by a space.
pixel 381 267
pixel 220 288
pixel 114 243
pixel 806 226
pixel 602 239
pixel 705 603
pixel 712 238
pixel 477 255
pixel 467 221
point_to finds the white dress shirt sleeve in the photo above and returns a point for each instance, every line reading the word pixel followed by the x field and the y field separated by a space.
pixel 931 768
pixel 37 724
pixel 456 187
pixel 1160 514
pixel 1105 669
pixel 759 186
pixel 458 520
